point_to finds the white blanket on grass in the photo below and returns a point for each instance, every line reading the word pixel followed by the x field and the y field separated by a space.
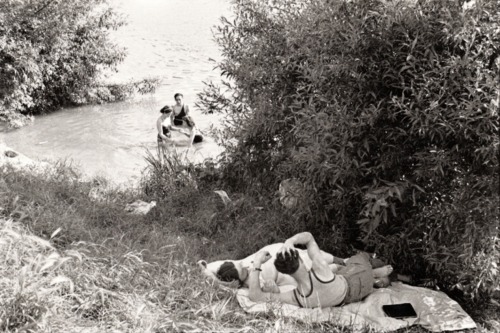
pixel 436 311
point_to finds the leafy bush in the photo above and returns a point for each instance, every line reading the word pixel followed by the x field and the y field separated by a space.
pixel 387 113
pixel 52 54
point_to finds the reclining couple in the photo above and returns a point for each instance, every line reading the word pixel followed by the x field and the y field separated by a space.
pixel 318 278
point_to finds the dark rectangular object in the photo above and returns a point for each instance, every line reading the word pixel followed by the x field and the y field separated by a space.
pixel 400 311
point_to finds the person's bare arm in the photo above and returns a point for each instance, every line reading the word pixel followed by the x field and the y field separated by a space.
pixel 255 292
pixel 191 135
pixel 191 124
pixel 331 259
pixel 175 128
pixel 319 264
pixel 307 239
pixel 178 129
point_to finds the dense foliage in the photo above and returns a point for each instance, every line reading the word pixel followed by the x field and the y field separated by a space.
pixel 52 54
pixel 386 112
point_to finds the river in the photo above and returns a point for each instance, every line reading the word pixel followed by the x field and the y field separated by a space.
pixel 169 39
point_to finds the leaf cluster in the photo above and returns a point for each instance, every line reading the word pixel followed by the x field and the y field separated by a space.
pixel 53 53
pixel 388 115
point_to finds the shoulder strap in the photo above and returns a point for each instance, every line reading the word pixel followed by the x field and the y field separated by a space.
pixel 310 292
pixel 297 298
pixel 319 280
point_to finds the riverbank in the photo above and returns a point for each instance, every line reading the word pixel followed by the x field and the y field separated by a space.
pixel 94 267
pixel 169 40
pixel 18 161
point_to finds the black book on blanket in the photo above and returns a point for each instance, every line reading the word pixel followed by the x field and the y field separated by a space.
pixel 399 311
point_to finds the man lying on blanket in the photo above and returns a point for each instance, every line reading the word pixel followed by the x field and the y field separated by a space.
pixel 235 273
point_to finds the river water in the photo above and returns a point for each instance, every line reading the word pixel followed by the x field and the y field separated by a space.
pixel 169 39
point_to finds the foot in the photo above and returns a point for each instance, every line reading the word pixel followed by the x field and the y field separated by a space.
pixel 382 282
pixel 383 271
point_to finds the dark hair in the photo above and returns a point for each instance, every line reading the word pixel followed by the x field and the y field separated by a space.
pixel 166 109
pixel 178 94
pixel 227 272
pixel 287 263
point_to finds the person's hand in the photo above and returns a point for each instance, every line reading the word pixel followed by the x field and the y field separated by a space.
pixel 261 257
pixel 287 247
pixel 270 286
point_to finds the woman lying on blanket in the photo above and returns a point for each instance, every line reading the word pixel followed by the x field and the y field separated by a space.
pixel 317 286
pixel 235 273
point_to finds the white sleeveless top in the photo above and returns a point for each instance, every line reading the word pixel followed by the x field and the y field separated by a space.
pixel 323 293
pixel 166 122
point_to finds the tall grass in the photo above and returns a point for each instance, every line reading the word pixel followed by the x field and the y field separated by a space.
pixel 73 261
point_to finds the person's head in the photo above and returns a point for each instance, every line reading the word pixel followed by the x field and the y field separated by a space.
pixel 166 109
pixel 229 272
pixel 178 98
pixel 287 263
pixel 211 270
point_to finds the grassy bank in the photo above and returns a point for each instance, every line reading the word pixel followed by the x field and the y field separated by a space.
pixel 74 260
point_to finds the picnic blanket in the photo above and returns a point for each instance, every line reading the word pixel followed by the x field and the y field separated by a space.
pixel 436 311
